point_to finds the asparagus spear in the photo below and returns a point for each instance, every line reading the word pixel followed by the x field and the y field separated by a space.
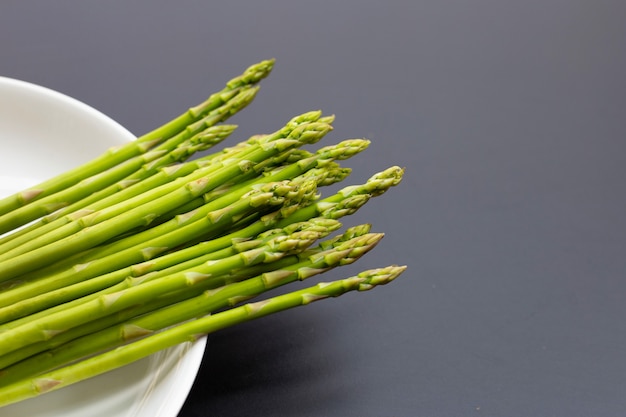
pixel 180 306
pixel 115 220
pixel 344 202
pixel 190 331
pixel 299 130
pixel 17 301
pixel 45 328
pixel 148 178
pixel 294 261
pixel 114 156
pixel 321 158
pixel 93 189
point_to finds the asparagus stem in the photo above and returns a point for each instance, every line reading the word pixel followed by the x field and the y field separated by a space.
pixel 115 220
pixel 47 327
pixel 190 331
pixel 166 175
pixel 149 244
pixel 300 130
pixel 343 203
pixel 179 306
pixel 81 286
pixel 294 261
pixel 114 156
pixel 105 181
pixel 95 189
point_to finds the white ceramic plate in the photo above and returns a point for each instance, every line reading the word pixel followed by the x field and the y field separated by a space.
pixel 42 133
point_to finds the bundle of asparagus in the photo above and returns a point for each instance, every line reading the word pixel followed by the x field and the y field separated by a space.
pixel 150 245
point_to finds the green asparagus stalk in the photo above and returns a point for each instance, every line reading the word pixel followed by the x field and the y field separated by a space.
pixel 190 331
pixel 343 203
pixel 309 260
pixel 117 155
pixel 17 301
pixel 319 167
pixel 102 180
pixel 115 220
pixel 302 129
pixel 150 177
pixel 94 189
pixel 177 311
pixel 80 286
pixel 322 158
pixel 47 327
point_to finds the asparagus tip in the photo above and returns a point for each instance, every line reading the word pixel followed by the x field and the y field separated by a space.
pixel 379 276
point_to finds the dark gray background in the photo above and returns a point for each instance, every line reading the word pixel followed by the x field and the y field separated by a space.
pixel 510 119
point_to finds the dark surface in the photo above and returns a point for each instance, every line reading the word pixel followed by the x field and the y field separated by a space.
pixel 510 118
